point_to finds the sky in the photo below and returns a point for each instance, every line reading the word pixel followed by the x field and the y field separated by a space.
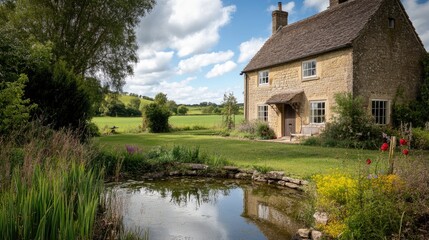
pixel 195 50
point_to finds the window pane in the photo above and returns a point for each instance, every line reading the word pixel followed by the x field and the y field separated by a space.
pixel 317 112
pixel 379 111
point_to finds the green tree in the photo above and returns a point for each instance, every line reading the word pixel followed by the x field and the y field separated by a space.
pixel 91 36
pixel 230 109
pixel 182 110
pixel 161 99
pixel 155 118
pixel 59 94
pixel 135 103
pixel 96 93
pixel 172 106
pixel 14 110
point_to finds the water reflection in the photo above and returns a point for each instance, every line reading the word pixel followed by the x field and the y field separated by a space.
pixel 208 209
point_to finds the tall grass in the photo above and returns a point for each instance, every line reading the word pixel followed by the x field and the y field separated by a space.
pixel 47 190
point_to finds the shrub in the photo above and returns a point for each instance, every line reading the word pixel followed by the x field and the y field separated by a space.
pixel 156 118
pixel 253 129
pixel 353 127
pixel 420 138
pixel 263 131
pixel 182 110
pixel 359 207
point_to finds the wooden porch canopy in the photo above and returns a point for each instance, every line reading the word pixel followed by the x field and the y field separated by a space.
pixel 286 97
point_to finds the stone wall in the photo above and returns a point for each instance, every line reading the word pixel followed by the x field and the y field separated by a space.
pixel 387 61
pixel 334 74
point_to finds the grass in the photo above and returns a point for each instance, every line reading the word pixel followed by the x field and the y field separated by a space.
pixel 295 160
pixel 127 99
pixel 131 124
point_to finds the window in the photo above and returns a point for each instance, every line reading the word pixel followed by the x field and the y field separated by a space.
pixel 379 111
pixel 317 112
pixel 263 78
pixel 309 69
pixel 391 23
pixel 263 113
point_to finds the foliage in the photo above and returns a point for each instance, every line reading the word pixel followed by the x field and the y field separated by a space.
pixel 359 208
pixel 230 109
pixel 182 110
pixel 420 138
pixel 116 108
pixel 14 110
pixel 96 93
pixel 254 130
pixel 32 205
pixel 211 109
pixel 60 97
pixel 161 99
pixel 416 111
pixel 172 105
pixel 156 159
pixel 156 117
pixel 263 131
pixel 89 35
pixel 353 127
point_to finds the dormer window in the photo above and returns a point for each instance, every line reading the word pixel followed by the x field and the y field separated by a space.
pixel 309 69
pixel 391 23
pixel 263 77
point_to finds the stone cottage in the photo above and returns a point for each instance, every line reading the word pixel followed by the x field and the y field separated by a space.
pixel 365 47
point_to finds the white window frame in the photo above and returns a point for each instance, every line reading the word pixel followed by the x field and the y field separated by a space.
pixel 309 68
pixel 263 113
pixel 314 114
pixel 381 113
pixel 263 77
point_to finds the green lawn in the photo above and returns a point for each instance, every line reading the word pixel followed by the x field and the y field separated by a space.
pixel 131 124
pixel 295 160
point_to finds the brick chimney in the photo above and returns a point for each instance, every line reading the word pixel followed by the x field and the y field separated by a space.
pixel 279 18
pixel 333 3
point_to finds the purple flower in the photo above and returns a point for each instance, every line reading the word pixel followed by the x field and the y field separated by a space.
pixel 131 149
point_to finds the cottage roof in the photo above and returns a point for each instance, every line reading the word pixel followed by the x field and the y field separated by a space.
pixel 332 29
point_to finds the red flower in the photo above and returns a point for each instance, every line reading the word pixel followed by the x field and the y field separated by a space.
pixel 368 161
pixel 402 142
pixel 405 151
pixel 384 147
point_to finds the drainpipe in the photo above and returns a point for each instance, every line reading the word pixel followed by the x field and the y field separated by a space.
pixel 246 96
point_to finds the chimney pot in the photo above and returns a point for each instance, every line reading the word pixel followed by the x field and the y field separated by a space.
pixel 279 18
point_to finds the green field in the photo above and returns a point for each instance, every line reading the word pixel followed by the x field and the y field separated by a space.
pixel 295 160
pixel 131 124
pixel 126 99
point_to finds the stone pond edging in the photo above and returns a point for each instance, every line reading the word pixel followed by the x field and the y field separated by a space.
pixel 277 178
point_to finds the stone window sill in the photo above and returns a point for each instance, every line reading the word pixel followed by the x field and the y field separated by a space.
pixel 310 79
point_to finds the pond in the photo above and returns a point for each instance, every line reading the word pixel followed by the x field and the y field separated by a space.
pixel 189 208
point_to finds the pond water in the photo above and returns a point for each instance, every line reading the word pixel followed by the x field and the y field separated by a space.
pixel 209 209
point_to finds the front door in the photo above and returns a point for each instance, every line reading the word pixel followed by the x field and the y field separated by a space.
pixel 290 120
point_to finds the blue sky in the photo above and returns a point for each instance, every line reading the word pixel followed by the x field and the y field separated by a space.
pixel 194 50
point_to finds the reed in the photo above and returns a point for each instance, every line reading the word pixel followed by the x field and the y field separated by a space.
pixel 47 189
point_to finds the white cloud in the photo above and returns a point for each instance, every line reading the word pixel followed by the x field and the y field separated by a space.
pixel 151 61
pixel 288 7
pixel 187 26
pixel 320 5
pixel 418 13
pixel 220 69
pixel 249 48
pixel 196 62
pixel 183 92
